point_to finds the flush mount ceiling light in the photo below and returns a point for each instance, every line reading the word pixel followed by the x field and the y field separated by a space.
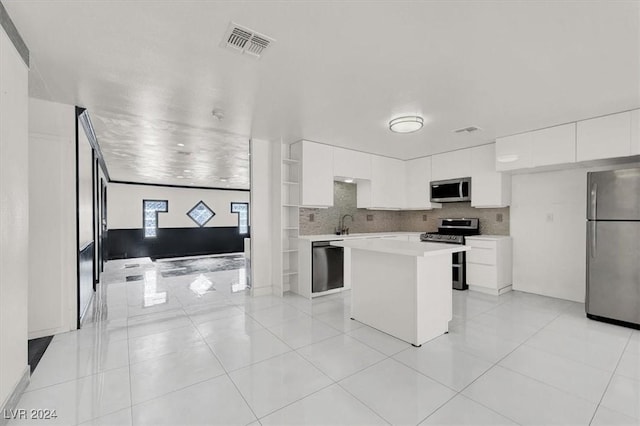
pixel 407 124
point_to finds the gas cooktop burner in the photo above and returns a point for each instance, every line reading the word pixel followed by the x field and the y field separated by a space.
pixel 452 231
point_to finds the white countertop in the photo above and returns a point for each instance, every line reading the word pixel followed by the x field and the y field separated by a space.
pixel 328 237
pixel 407 248
pixel 487 237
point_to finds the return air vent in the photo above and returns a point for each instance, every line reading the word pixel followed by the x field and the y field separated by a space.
pixel 243 40
pixel 469 129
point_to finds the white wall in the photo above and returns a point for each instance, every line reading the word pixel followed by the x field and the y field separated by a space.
pixel 262 231
pixel 124 205
pixel 52 219
pixel 548 215
pixel 14 218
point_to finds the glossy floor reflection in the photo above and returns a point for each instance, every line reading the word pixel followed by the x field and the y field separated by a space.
pixel 196 349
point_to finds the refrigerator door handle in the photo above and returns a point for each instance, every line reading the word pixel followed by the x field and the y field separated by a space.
pixel 594 201
pixel 593 238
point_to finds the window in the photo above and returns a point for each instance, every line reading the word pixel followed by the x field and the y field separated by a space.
pixel 150 210
pixel 201 214
pixel 243 216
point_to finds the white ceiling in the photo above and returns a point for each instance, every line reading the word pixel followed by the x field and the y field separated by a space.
pixel 150 73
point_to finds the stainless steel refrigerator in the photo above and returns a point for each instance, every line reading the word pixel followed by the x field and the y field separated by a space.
pixel 613 246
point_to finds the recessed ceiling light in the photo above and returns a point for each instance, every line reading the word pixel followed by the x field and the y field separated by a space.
pixel 407 124
pixel 348 180
pixel 180 144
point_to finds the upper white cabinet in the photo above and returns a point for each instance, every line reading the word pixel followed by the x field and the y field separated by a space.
pixel 554 145
pixel 607 137
pixel 385 190
pixel 635 132
pixel 316 173
pixel 514 152
pixel 450 165
pixel 545 147
pixel 351 164
pixel 489 188
pixel 418 178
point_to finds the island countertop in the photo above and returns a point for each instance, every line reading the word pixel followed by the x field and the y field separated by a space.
pixel 406 248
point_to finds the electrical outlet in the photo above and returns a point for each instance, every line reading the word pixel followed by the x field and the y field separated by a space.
pixel 369 218
pixel 549 217
pixel 498 217
pixel 312 217
pixel 424 217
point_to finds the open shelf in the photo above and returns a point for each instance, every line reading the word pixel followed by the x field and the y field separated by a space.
pixel 290 251
pixel 290 161
pixel 290 205
pixel 290 183
pixel 288 272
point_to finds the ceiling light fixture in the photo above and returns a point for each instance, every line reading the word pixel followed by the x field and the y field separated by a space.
pixel 406 124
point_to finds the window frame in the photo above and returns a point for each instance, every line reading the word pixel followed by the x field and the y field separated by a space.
pixel 144 222
pixel 246 203
pixel 194 207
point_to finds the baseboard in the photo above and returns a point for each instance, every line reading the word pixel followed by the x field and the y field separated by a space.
pixel 261 291
pixel 12 400
pixel 48 332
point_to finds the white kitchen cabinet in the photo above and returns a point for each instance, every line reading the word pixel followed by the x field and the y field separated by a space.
pixel 635 132
pixel 489 261
pixel 605 137
pixel 514 152
pixel 386 189
pixel 544 147
pixel 450 165
pixel 489 188
pixel 316 173
pixel 351 164
pixel 554 145
pixel 418 189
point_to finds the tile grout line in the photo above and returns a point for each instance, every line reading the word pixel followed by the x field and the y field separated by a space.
pixel 226 372
pixel 613 373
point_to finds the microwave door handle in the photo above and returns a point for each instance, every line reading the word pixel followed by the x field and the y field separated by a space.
pixel 460 189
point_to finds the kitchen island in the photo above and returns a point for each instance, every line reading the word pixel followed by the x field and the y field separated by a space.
pixel 402 288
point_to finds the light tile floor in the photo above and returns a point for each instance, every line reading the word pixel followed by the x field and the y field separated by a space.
pixel 198 350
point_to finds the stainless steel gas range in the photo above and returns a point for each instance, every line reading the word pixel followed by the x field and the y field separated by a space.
pixel 453 231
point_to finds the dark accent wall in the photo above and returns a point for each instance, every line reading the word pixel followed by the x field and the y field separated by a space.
pixel 174 242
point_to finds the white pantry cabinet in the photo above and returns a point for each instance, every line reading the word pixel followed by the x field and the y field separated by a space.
pixel 316 173
pixel 489 264
pixel 386 189
pixel 418 189
pixel 351 164
pixel 606 137
pixel 451 165
pixel 489 188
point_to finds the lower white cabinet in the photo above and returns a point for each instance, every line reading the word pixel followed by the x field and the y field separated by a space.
pixel 489 264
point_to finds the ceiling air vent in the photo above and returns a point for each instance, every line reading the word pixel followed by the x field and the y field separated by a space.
pixel 243 40
pixel 469 129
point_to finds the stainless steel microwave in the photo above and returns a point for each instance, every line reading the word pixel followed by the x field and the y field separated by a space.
pixel 451 190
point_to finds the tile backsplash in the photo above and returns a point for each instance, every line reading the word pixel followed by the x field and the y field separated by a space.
pixel 326 221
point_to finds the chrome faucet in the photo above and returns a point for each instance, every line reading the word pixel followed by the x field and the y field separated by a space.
pixel 344 230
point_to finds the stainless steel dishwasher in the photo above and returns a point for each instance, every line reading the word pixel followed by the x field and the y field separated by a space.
pixel 327 267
